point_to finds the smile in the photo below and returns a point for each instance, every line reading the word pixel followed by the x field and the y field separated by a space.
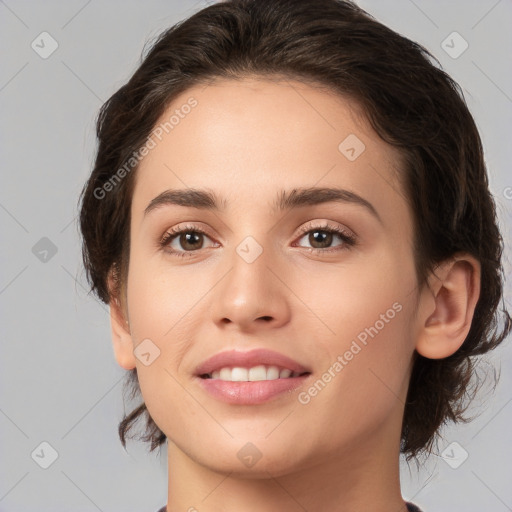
pixel 250 378
pixel 253 374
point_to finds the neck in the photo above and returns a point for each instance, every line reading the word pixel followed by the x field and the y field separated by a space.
pixel 363 477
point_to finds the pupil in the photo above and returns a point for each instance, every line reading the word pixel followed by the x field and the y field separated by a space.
pixel 188 239
pixel 325 238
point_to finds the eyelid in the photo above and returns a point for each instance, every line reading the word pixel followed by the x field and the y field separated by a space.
pixel 322 224
pixel 350 238
pixel 175 231
pixel 325 224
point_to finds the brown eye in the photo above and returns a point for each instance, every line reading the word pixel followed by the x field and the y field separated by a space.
pixel 322 238
pixel 179 242
pixel 190 240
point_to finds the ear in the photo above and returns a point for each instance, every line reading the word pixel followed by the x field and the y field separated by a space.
pixel 121 337
pixel 447 305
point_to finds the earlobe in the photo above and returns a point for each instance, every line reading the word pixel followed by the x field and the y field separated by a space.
pixel 121 336
pixel 447 307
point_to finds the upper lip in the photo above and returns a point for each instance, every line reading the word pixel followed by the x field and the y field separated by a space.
pixel 236 358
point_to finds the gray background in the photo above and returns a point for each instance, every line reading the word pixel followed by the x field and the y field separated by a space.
pixel 59 381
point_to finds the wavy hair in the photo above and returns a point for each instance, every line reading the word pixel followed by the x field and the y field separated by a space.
pixel 410 102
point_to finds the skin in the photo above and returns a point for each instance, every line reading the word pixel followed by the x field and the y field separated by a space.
pixel 245 140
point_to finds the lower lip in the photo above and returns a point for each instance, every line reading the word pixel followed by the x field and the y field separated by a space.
pixel 251 393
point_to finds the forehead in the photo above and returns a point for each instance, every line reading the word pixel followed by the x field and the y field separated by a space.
pixel 247 139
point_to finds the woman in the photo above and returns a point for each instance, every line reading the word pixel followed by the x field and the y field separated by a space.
pixel 290 219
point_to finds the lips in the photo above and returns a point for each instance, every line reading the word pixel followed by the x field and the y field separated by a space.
pixel 248 360
pixel 251 378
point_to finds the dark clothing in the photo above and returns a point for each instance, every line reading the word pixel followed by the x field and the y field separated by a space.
pixel 410 507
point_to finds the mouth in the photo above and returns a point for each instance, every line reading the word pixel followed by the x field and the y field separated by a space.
pixel 250 378
pixel 252 374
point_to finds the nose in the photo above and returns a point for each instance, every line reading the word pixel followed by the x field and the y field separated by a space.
pixel 252 296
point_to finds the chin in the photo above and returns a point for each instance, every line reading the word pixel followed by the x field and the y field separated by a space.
pixel 257 459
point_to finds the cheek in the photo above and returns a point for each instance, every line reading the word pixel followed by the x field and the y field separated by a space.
pixel 160 305
pixel 366 336
pixel 350 300
pixel 159 300
pixel 363 384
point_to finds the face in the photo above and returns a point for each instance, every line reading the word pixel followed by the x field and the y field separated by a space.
pixel 274 276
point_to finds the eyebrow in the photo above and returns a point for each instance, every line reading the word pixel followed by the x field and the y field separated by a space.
pixel 286 199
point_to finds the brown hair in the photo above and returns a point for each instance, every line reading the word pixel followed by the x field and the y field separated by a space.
pixel 410 102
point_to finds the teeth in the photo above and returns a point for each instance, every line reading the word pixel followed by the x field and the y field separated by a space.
pixel 256 373
pixel 225 374
pixel 239 374
pixel 272 373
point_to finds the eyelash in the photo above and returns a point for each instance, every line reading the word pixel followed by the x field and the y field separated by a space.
pixel 349 240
